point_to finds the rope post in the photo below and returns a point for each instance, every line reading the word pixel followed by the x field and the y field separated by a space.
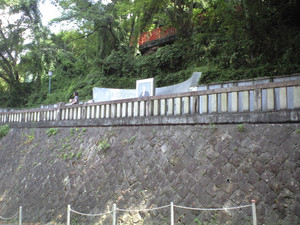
pixel 114 214
pixel 20 215
pixel 254 212
pixel 172 213
pixel 68 215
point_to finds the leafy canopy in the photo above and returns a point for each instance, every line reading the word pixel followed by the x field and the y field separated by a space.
pixel 226 40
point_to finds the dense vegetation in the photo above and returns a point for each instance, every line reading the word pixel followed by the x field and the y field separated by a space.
pixel 224 39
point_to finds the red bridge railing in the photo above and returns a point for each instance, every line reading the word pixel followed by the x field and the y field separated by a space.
pixel 155 34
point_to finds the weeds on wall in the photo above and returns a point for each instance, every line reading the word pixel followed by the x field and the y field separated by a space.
pixel 29 137
pixel 197 221
pixel 130 141
pixel 211 126
pixel 103 144
pixel 4 130
pixel 52 131
pixel 82 132
pixel 241 127
pixel 64 148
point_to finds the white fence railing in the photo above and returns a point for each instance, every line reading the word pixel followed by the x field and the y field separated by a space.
pixel 171 206
pixel 253 98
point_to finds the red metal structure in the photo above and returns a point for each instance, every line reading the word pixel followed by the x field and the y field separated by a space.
pixel 155 34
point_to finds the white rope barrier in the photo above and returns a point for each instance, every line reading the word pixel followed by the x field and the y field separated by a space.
pixel 85 214
pixel 142 210
pixel 69 210
pixel 14 216
pixel 213 209
pixel 9 218
pixel 115 209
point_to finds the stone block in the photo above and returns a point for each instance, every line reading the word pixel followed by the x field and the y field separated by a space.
pixel 274 168
pixel 220 162
pixel 229 188
pixel 204 198
pixel 219 179
pixel 283 176
pixel 238 197
pixel 293 185
pixel 221 197
pixel 261 187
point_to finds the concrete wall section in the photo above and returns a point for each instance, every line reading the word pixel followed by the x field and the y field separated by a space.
pixel 110 94
pixel 181 87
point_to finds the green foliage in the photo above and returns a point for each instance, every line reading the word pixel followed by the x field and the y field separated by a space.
pixel 4 130
pixel 130 141
pixel 119 64
pixel 213 220
pixel 68 155
pixel 72 131
pixel 226 40
pixel 66 149
pixel 103 144
pixel 82 132
pixel 78 155
pixel 29 137
pixel 197 221
pixel 213 127
pixel 52 131
pixel 241 127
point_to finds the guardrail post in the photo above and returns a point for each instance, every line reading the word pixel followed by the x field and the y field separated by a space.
pixel 172 213
pixel 114 214
pixel 254 212
pixel 58 113
pixel 68 215
pixel 20 215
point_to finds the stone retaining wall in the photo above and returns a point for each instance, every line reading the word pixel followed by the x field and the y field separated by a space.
pixel 45 169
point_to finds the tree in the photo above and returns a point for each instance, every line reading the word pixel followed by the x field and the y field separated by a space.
pixel 18 31
pixel 182 15
pixel 92 19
